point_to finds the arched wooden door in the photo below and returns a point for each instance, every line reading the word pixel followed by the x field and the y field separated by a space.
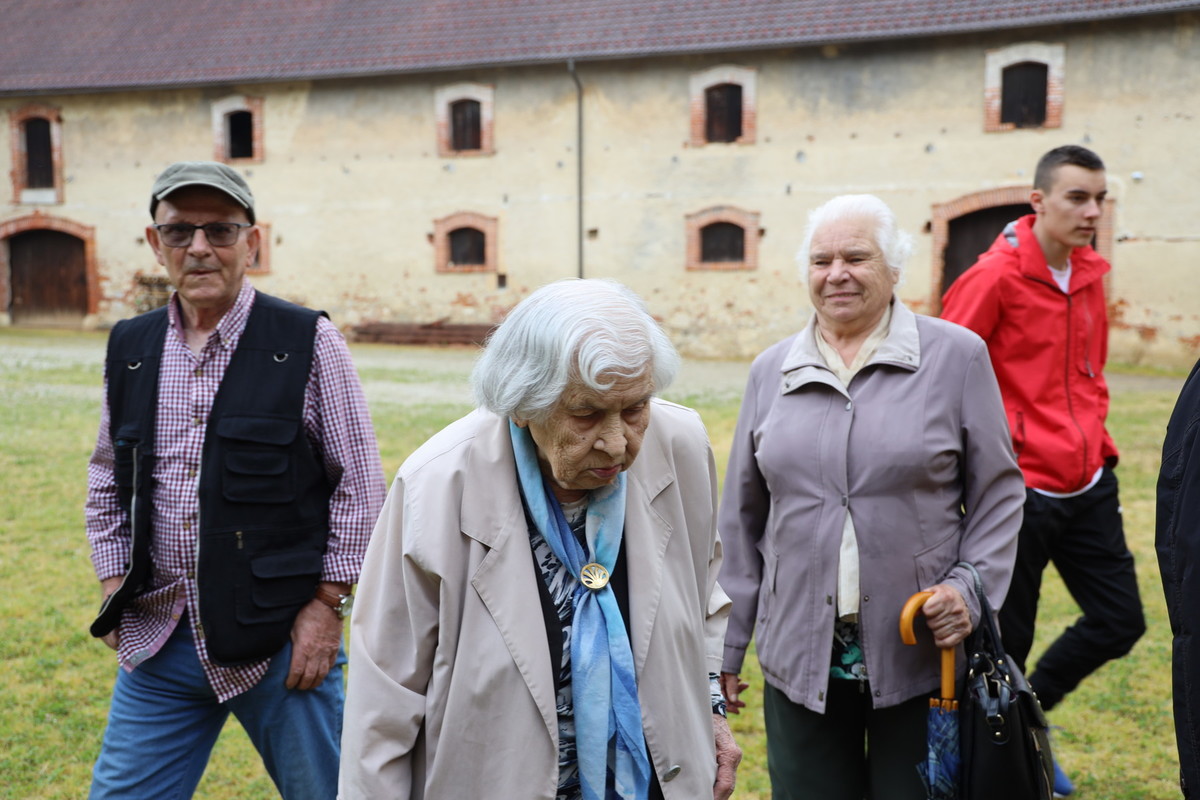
pixel 48 278
pixel 971 234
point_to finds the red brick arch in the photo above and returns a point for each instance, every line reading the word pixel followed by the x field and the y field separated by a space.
pixel 41 221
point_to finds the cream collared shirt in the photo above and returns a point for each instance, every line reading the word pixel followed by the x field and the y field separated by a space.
pixel 847 593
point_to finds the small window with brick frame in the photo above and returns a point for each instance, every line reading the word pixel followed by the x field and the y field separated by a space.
pixel 465 242
pixel 463 112
pixel 37 161
pixel 237 129
pixel 1023 94
pixel 723 105
pixel 722 238
pixel 1023 87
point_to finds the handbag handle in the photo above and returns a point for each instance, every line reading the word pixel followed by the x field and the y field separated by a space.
pixel 987 618
pixel 908 637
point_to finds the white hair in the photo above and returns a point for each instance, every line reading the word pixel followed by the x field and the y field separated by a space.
pixel 591 331
pixel 896 244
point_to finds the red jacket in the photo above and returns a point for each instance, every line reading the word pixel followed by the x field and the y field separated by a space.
pixel 1048 350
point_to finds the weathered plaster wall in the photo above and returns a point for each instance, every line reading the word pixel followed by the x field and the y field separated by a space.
pixel 352 182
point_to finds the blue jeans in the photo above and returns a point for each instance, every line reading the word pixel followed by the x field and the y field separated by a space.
pixel 165 719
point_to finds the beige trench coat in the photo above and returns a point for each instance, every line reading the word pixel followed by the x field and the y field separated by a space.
pixel 451 693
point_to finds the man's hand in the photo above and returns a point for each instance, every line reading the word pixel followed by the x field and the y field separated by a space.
pixel 107 587
pixel 946 615
pixel 729 755
pixel 731 687
pixel 316 637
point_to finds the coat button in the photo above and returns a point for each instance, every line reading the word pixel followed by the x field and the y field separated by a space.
pixel 850 405
pixel 670 774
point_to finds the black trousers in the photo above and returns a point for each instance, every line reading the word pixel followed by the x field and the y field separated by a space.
pixel 1085 539
pixel 850 752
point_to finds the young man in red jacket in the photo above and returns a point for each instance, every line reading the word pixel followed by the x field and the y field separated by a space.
pixel 1037 299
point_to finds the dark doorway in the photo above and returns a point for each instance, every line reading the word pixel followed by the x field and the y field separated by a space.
pixel 466 130
pixel 1023 94
pixel 467 247
pixel 723 112
pixel 241 134
pixel 722 241
pixel 973 233
pixel 39 158
pixel 49 278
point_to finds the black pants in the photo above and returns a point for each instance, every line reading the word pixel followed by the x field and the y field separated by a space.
pixel 850 752
pixel 1084 538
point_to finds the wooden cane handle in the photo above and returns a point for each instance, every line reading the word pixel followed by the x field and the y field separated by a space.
pixel 907 614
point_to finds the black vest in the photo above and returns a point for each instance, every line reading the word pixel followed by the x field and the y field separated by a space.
pixel 263 493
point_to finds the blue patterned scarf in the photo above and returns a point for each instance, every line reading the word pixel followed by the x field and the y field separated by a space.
pixel 603 681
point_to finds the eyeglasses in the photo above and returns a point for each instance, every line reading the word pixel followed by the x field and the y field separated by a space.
pixel 218 234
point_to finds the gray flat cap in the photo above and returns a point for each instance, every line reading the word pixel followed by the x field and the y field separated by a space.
pixel 203 173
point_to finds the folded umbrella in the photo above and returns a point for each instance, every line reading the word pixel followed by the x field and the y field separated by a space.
pixel 939 770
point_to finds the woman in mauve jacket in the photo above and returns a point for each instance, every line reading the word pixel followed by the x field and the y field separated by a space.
pixel 871 456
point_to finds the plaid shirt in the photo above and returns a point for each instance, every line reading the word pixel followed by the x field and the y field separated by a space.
pixel 337 423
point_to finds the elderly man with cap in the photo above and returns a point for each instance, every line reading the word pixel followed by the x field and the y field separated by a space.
pixel 231 496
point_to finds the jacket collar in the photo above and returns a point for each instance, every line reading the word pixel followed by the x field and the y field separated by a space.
pixel 1086 264
pixel 804 364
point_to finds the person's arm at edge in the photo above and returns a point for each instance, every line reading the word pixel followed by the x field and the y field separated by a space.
pixel 105 522
pixel 994 491
pixel 342 425
pixel 1177 542
pixel 974 301
pixel 393 635
pixel 742 522
pixel 728 754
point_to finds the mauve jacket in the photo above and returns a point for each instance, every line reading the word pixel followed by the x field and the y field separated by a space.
pixel 920 452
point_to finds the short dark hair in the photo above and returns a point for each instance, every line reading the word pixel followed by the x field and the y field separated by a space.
pixel 1071 154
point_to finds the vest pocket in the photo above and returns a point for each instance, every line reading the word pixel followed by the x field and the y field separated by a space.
pixel 257 459
pixel 125 443
pixel 280 583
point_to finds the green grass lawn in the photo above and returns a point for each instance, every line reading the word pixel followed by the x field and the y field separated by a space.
pixel 1115 734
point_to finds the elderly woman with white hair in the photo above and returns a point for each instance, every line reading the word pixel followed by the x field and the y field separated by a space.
pixel 538 614
pixel 871 456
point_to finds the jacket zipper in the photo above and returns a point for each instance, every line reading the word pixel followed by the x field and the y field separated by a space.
pixel 1087 342
pixel 1067 389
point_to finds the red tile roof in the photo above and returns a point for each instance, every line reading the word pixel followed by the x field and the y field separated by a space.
pixel 96 45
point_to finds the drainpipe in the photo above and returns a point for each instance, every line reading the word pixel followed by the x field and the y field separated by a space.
pixel 578 163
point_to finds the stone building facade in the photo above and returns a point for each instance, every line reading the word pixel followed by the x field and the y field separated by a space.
pixel 446 192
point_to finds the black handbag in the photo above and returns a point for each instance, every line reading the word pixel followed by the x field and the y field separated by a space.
pixel 1002 728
